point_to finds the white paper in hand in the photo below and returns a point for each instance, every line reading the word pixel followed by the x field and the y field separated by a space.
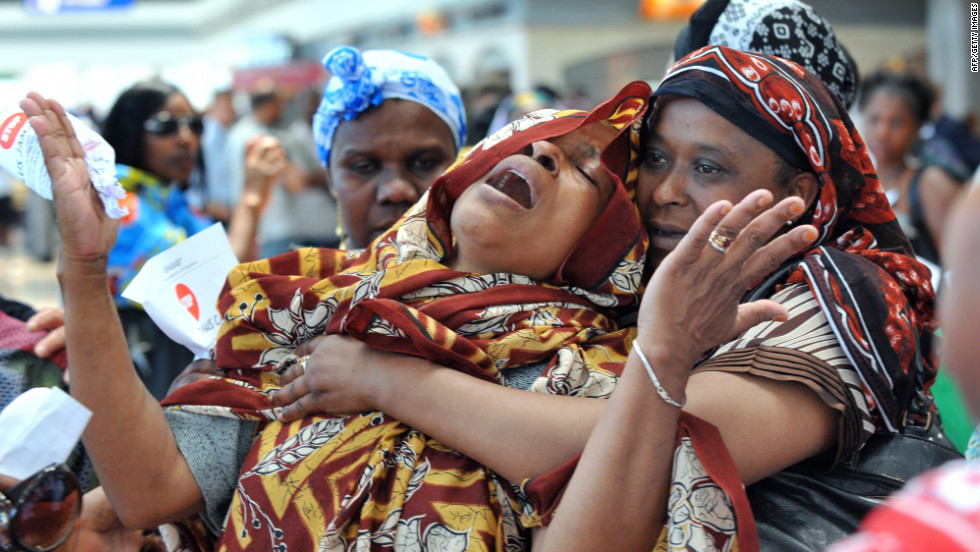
pixel 179 288
pixel 40 427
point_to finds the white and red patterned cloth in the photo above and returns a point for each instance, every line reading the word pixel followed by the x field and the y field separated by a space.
pixel 938 511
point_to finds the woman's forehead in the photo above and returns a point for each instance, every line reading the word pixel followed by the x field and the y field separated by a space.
pixel 177 103
pixel 680 119
pixel 395 124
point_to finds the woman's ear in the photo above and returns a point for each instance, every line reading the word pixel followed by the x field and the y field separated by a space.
pixel 805 185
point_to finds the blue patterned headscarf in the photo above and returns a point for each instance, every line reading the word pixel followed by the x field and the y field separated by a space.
pixel 361 80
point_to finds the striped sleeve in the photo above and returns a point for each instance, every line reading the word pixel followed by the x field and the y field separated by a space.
pixel 802 349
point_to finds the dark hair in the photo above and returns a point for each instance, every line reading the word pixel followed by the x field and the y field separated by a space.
pixel 263 97
pixel 914 91
pixel 123 127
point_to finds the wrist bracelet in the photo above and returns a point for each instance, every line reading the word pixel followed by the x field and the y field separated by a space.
pixel 653 377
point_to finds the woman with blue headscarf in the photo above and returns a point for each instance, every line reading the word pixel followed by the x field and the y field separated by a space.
pixel 389 124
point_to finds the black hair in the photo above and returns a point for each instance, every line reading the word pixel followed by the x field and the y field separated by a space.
pixel 123 126
pixel 917 94
pixel 263 97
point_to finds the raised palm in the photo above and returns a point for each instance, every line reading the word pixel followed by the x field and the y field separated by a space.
pixel 87 233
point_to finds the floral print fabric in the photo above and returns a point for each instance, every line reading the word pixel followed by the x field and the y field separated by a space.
pixel 367 481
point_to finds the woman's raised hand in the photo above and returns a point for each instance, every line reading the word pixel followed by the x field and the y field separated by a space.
pixel 87 233
pixel 692 301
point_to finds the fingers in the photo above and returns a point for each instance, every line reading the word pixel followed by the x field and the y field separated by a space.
pixel 307 347
pixel 741 216
pixel 54 131
pixel 294 368
pixel 290 399
pixel 770 257
pixel 692 245
pixel 46 318
pixel 744 235
pixel 51 343
pixel 757 312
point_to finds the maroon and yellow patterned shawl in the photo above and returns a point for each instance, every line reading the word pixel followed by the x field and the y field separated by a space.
pixel 339 483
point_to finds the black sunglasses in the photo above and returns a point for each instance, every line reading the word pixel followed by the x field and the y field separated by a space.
pixel 39 513
pixel 165 124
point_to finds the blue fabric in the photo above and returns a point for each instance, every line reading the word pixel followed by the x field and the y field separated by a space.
pixel 361 80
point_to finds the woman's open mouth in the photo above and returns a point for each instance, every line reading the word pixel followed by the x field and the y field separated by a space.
pixel 513 184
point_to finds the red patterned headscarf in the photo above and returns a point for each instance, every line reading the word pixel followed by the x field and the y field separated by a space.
pixel 877 297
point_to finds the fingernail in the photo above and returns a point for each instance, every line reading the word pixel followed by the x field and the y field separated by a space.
pixel 810 234
pixel 725 209
pixel 796 209
pixel 765 200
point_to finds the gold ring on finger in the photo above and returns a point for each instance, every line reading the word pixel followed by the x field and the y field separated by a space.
pixel 720 241
pixel 302 364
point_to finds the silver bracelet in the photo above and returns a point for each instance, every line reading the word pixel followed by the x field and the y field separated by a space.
pixel 653 377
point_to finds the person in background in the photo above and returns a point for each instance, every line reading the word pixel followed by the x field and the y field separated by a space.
pixel 155 133
pixel 218 120
pixel 388 125
pixel 893 108
pixel 300 210
pixel 940 510
pixel 789 29
pixel 380 142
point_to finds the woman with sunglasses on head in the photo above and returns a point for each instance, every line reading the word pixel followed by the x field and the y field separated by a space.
pixel 156 134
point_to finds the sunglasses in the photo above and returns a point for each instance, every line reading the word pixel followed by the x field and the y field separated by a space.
pixel 39 513
pixel 165 124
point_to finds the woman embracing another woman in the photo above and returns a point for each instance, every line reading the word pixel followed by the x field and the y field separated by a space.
pixel 772 408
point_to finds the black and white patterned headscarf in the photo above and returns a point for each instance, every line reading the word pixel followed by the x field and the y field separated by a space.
pixel 788 29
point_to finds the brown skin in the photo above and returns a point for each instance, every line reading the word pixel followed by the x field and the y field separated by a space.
pixel 149 482
pixel 961 297
pixel 890 130
pixel 51 319
pixel 172 157
pixel 382 161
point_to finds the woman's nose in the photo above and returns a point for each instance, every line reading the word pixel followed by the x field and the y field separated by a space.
pixel 395 187
pixel 669 189
pixel 186 135
pixel 548 155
